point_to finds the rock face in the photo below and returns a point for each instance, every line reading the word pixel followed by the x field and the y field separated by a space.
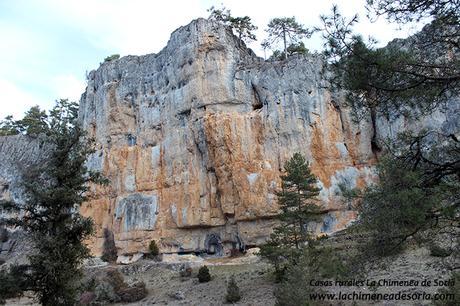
pixel 17 154
pixel 194 138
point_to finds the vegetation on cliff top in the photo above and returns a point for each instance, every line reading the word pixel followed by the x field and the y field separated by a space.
pixel 419 177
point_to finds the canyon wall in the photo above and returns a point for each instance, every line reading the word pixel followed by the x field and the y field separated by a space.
pixel 193 140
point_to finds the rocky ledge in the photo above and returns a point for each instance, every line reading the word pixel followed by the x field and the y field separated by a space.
pixel 194 138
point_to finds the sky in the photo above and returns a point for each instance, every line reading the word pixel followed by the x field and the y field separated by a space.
pixel 48 46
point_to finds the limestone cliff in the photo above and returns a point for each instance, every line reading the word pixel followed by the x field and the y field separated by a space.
pixel 194 138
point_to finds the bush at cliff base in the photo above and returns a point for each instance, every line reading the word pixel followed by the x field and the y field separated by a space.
pixel 233 291
pixel 203 275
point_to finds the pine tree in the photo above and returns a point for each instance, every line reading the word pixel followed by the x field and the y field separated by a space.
pixel 203 275
pixel 420 176
pixel 8 126
pixel 54 190
pixel 410 77
pixel 233 291
pixel 243 26
pixel 286 29
pixel 32 124
pixel 153 249
pixel 109 249
pixel 296 200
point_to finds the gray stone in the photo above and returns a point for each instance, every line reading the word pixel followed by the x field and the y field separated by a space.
pixel 136 212
pixel 3 235
pixel 194 138
pixel 129 259
pixel 178 295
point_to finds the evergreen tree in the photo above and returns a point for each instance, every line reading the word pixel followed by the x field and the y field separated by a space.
pixel 410 78
pixel 153 249
pixel 109 249
pixel 54 190
pixel 413 194
pixel 8 126
pixel 287 30
pixel 312 264
pixel 32 124
pixel 296 48
pixel 396 208
pixel 243 26
pixel 420 178
pixel 233 291
pixel 296 201
pixel 403 11
pixel 265 45
pixel 203 275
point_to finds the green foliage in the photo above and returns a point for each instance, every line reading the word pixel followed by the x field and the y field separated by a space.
pixel 313 264
pixel 295 48
pixel 33 124
pixel 153 248
pixel 108 286
pixel 404 11
pixel 243 26
pixel 296 200
pixel 109 250
pixel 418 190
pixel 408 78
pixel 287 30
pixel 277 55
pixel 8 127
pixel 397 207
pixel 13 281
pixel 276 254
pixel 219 14
pixel 203 275
pixel 265 46
pixel 10 287
pixel 111 58
pixel 54 191
pixel 233 291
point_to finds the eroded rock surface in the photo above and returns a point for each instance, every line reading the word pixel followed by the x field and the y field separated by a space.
pixel 17 154
pixel 194 138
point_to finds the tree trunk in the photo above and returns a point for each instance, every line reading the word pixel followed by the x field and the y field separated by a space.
pixel 285 47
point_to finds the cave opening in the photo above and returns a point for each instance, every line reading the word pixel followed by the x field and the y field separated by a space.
pixel 257 101
pixel 213 245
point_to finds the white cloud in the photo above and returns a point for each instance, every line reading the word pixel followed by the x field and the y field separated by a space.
pixel 67 86
pixel 14 101
pixel 37 32
pixel 308 12
pixel 128 27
